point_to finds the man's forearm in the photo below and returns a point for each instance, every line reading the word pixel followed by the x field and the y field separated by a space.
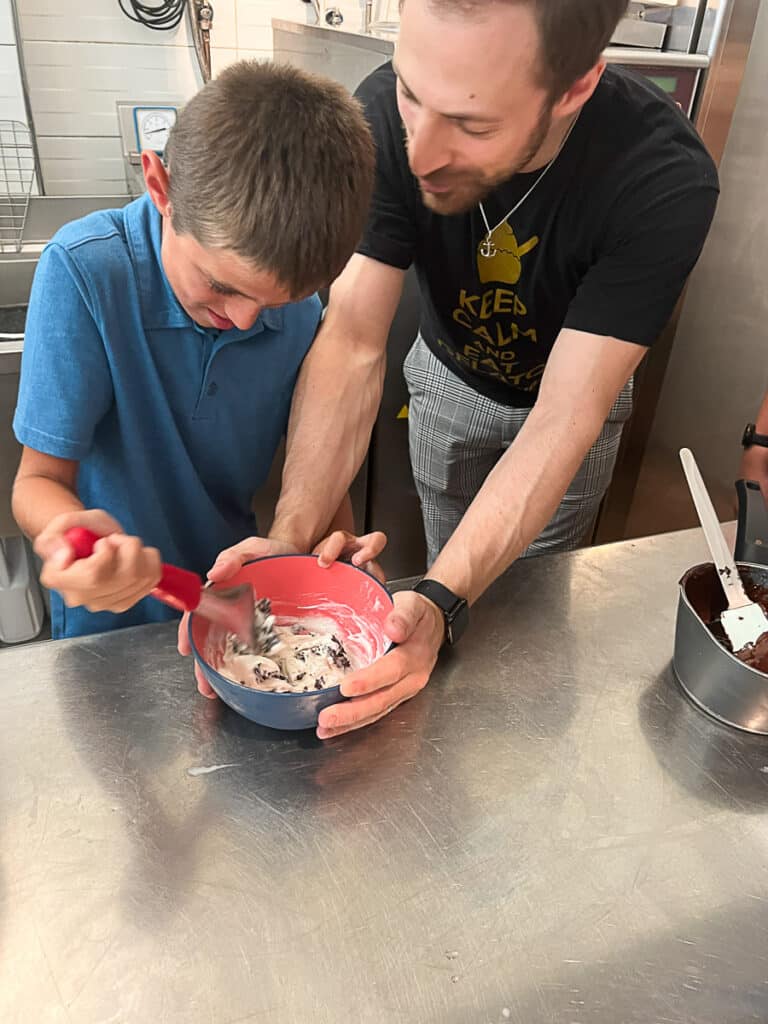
pixel 585 373
pixel 345 516
pixel 38 499
pixel 754 461
pixel 334 408
pixel 517 500
pixel 336 400
pixel 761 422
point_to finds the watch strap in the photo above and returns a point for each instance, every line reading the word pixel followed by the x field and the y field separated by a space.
pixel 455 609
pixel 751 437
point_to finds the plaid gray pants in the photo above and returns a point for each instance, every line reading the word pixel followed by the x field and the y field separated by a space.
pixel 456 437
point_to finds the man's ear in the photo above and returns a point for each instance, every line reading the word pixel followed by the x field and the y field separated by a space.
pixel 156 180
pixel 581 90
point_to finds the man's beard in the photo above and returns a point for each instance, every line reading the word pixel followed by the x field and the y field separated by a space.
pixel 470 189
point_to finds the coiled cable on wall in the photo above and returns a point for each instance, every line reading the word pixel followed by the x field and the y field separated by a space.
pixel 167 14
pixel 162 17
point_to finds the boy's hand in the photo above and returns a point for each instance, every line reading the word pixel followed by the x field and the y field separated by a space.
pixel 225 566
pixel 360 551
pixel 120 572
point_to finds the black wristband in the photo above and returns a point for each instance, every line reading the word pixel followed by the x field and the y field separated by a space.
pixel 751 437
pixel 455 609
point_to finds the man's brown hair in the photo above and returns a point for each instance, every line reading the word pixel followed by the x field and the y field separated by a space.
pixel 276 165
pixel 573 34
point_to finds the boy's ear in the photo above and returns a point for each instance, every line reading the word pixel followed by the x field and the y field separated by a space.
pixel 156 180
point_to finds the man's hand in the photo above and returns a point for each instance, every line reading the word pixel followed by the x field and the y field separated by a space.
pixel 417 626
pixel 226 565
pixel 119 573
pixel 360 551
pixel 230 560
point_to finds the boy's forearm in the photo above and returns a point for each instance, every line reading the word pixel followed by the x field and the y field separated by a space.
pixel 39 499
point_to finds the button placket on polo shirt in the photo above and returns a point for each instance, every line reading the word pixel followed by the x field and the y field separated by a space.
pixel 214 344
pixel 207 389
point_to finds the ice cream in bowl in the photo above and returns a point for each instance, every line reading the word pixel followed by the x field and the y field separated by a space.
pixel 325 623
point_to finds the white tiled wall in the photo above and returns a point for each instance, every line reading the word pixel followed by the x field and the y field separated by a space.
pixel 83 55
pixel 11 96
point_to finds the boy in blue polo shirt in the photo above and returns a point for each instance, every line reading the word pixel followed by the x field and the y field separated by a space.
pixel 163 340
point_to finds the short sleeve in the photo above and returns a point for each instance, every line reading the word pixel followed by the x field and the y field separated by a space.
pixel 66 385
pixel 391 233
pixel 649 249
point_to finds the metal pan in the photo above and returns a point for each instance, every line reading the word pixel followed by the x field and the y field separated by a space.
pixel 713 678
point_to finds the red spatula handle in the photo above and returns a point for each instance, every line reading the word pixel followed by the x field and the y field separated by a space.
pixel 179 588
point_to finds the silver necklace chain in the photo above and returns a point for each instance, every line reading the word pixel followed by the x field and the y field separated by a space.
pixel 487 247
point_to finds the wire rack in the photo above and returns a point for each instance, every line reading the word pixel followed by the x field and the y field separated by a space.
pixel 17 182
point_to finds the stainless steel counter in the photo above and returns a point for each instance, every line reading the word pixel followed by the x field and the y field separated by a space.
pixel 549 833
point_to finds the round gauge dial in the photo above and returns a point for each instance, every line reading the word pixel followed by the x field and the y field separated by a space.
pixel 153 125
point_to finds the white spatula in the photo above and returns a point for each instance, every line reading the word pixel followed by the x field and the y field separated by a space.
pixel 744 621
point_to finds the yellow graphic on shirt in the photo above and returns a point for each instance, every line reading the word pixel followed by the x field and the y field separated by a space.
pixel 506 265
pixel 496 317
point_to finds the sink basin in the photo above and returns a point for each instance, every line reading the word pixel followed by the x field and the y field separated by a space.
pixel 16 275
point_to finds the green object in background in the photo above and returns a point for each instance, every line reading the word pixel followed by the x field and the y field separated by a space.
pixel 665 82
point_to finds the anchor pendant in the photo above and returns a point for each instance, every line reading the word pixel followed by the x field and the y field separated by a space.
pixel 487 248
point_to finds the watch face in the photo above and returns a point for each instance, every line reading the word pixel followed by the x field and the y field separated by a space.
pixel 153 126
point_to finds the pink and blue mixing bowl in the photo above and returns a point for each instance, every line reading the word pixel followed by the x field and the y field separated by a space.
pixel 299 589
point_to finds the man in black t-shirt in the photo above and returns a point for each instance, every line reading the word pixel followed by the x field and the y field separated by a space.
pixel 553 209
pixel 600 240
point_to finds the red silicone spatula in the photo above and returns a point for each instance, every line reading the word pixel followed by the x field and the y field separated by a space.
pixel 233 609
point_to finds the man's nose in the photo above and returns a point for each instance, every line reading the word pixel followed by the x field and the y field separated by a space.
pixel 428 144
